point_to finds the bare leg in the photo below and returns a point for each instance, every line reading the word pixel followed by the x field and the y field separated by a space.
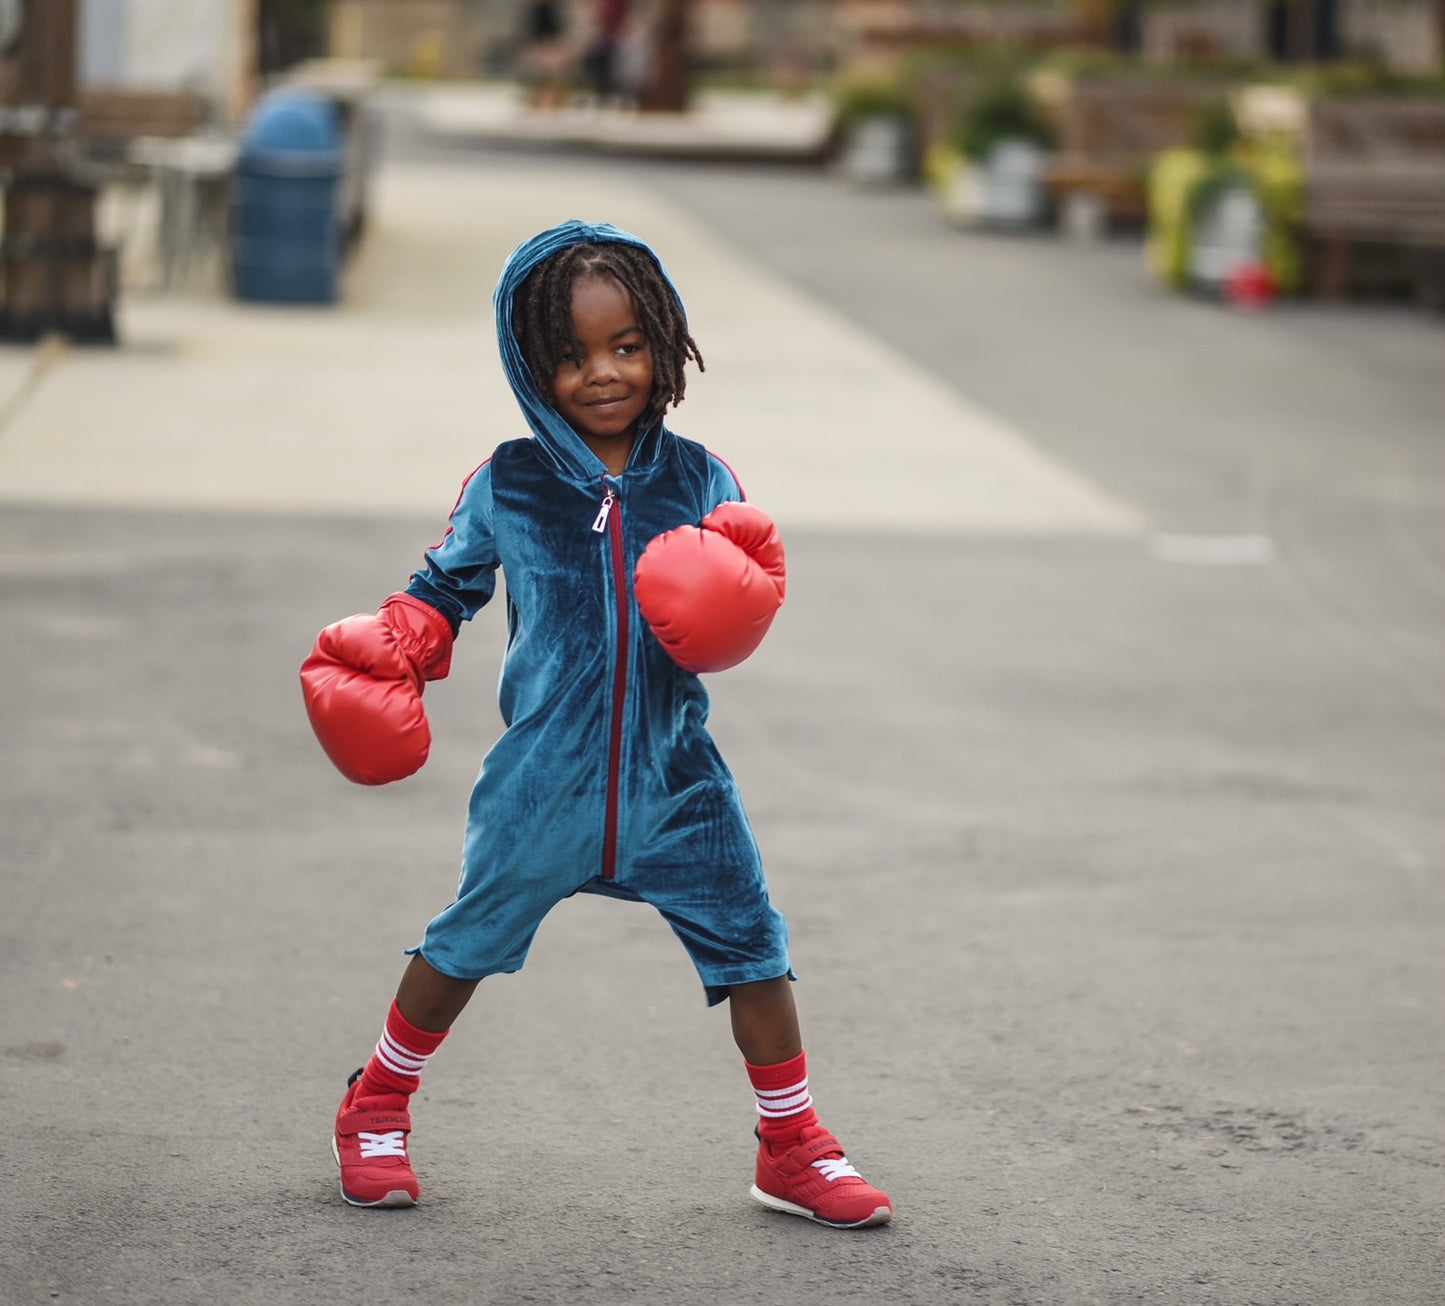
pixel 765 1021
pixel 800 1168
pixel 429 999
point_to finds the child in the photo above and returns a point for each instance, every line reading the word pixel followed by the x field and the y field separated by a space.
pixel 605 779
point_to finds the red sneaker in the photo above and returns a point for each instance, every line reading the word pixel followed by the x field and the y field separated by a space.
pixel 369 1144
pixel 812 1178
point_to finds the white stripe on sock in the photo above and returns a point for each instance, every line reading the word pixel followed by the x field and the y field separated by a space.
pixel 398 1059
pixel 382 1056
pixel 776 1094
pixel 400 1050
pixel 775 1103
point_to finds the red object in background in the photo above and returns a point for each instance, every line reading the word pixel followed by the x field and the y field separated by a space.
pixel 1251 285
pixel 611 15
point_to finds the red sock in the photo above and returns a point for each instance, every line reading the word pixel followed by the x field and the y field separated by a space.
pixel 785 1107
pixel 401 1055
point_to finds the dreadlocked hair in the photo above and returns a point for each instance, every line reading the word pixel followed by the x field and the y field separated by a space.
pixel 542 317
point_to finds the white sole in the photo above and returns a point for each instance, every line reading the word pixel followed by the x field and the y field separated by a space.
pixel 397 1196
pixel 881 1214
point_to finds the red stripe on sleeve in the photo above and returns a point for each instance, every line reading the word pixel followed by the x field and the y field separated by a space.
pixel 458 503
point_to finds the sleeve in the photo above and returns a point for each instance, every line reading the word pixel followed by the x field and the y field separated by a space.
pixel 723 485
pixel 459 574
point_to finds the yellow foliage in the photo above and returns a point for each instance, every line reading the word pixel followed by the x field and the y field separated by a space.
pixel 941 163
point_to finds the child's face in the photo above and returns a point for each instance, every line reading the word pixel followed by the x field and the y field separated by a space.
pixel 604 386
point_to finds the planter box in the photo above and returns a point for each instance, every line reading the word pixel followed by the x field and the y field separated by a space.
pixel 879 150
pixel 1211 215
pixel 1228 235
pixel 1006 191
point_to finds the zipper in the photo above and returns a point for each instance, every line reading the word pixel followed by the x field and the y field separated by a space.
pixel 599 523
pixel 609 520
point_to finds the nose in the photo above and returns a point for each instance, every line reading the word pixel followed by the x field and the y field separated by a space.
pixel 600 368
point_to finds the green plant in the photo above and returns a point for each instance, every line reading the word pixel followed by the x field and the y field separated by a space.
pixel 1278 176
pixel 1082 64
pixel 1365 79
pixel 1214 128
pixel 995 60
pixel 870 97
pixel 1184 182
pixel 1004 111
pixel 1220 176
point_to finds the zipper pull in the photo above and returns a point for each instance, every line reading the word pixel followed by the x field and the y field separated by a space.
pixel 600 523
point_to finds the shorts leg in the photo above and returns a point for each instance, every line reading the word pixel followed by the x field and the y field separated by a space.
pixel 489 929
pixel 725 920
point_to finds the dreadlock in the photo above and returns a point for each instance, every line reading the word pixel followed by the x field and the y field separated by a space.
pixel 542 317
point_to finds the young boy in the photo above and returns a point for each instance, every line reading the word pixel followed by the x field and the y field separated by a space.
pixel 630 565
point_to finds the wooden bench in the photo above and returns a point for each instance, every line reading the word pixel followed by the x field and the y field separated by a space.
pixel 1110 132
pixel 1374 218
pixel 111 118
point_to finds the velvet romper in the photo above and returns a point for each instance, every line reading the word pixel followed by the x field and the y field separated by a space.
pixel 605 779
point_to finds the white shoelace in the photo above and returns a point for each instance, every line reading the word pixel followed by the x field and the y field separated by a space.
pixel 833 1168
pixel 391 1143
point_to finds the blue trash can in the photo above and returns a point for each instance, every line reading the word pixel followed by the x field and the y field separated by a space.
pixel 286 224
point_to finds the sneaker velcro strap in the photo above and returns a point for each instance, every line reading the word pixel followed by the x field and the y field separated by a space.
pixel 801 1156
pixel 372 1122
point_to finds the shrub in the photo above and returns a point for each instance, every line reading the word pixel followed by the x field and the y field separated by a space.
pixel 1003 111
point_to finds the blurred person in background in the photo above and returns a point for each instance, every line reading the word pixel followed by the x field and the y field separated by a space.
pixel 669 79
pixel 545 57
pixel 632 63
pixel 609 19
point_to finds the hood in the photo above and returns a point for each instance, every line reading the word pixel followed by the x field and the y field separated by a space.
pixel 563 447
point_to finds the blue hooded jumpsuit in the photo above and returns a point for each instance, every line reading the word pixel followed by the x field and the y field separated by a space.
pixel 605 779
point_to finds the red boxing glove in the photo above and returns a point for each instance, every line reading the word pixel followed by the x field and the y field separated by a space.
pixel 362 685
pixel 711 592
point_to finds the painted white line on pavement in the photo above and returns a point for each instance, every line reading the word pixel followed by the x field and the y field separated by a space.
pixel 1212 550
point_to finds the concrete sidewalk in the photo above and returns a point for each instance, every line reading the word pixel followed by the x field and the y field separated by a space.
pixel 386 401
pixel 720 125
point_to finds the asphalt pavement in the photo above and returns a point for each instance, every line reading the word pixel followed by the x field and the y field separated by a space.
pixel 1095 759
